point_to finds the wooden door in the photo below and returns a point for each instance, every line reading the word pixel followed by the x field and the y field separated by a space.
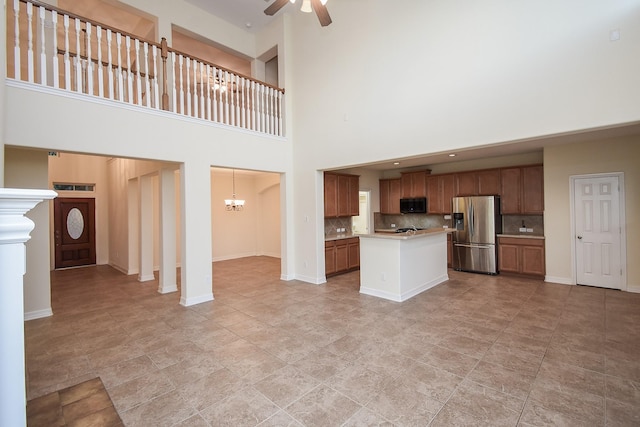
pixel 598 232
pixel 74 232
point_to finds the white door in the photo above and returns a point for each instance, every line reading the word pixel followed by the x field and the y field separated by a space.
pixel 598 232
pixel 360 223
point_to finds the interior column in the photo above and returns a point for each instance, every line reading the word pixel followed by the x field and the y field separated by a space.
pixel 195 222
pixel 168 279
pixel 146 228
pixel 14 232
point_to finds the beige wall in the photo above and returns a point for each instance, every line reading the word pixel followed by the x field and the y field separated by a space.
pixel 563 161
pixel 28 169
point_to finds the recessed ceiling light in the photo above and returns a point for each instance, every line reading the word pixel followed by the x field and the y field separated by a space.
pixel 396 163
pixel 452 155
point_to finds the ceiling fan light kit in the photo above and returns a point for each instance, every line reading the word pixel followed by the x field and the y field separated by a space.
pixel 317 6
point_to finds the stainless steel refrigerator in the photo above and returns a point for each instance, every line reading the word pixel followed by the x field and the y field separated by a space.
pixel 476 222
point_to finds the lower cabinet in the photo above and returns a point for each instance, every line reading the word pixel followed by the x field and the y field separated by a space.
pixel 341 255
pixel 521 256
pixel 449 251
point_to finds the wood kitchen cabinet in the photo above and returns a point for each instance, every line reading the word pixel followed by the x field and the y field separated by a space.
pixel 341 195
pixel 522 190
pixel 414 184
pixel 478 183
pixel 521 256
pixel 341 256
pixel 440 191
pixel 449 250
pixel 390 192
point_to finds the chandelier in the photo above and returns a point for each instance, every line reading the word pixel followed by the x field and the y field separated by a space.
pixel 234 204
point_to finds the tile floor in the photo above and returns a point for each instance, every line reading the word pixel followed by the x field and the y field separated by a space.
pixel 476 350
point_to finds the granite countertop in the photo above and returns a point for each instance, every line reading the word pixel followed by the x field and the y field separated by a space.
pixel 407 235
pixel 340 236
pixel 522 236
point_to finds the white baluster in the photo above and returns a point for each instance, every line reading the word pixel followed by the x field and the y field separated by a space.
pixel 203 112
pixel 56 71
pixel 90 89
pixel 272 98
pixel 243 118
pixel 129 72
pixel 214 95
pixel 30 70
pixel 196 97
pixel 67 61
pixel 119 72
pixel 280 131
pixel 181 59
pixel 110 64
pixel 218 80
pixel 77 62
pixel 188 86
pixel 254 105
pixel 43 54
pixel 16 36
pixel 236 89
pixel 173 83
pixel 147 86
pixel 100 66
pixel 208 90
pixel 226 97
pixel 138 78
pixel 156 91
pixel 231 98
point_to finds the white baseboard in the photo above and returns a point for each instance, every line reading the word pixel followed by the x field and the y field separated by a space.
pixel 633 288
pixel 287 277
pixel 167 289
pixel 120 269
pixel 38 314
pixel 196 300
pixel 146 278
pixel 310 279
pixel 559 280
pixel 233 256
pixel 407 295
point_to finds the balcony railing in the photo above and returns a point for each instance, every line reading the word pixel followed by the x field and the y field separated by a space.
pixel 57 49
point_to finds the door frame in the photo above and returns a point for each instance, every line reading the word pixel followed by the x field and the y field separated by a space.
pixel 623 224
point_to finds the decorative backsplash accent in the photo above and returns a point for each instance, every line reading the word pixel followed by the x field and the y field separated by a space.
pixel 331 225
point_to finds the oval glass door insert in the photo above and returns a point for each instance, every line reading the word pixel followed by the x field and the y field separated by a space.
pixel 75 223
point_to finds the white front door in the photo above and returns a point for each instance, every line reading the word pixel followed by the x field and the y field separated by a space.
pixel 597 232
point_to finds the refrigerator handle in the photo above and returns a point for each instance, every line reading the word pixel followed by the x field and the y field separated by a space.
pixel 472 220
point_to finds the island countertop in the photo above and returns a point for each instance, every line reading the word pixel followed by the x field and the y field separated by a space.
pixel 406 235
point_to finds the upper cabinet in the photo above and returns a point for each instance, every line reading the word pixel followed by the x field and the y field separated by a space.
pixel 478 183
pixel 414 184
pixel 390 191
pixel 341 195
pixel 522 190
pixel 440 190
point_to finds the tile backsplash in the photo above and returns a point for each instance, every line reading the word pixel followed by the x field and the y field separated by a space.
pixel 511 224
pixel 331 225
pixel 385 221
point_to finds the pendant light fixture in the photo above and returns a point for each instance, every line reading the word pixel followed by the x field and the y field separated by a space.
pixel 234 204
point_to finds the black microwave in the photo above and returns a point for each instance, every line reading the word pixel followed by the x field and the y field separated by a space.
pixel 413 205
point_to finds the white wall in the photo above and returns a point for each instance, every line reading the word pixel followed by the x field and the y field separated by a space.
pixel 28 169
pixel 601 156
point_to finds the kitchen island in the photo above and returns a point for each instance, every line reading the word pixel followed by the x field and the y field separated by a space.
pixel 398 266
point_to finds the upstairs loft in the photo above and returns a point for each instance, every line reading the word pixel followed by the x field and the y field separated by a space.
pixel 53 48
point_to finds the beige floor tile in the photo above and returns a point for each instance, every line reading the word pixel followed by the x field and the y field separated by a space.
pixel 323 406
pixel 470 351
pixel 246 407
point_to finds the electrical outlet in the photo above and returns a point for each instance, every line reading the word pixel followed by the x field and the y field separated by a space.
pixel 447 217
pixel 393 226
pixel 522 230
pixel 529 230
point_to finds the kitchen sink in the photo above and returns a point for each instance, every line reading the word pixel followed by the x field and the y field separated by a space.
pixel 405 229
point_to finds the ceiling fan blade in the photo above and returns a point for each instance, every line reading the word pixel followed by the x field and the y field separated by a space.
pixel 275 7
pixel 322 12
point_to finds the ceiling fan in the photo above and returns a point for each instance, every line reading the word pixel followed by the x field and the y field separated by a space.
pixel 318 6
